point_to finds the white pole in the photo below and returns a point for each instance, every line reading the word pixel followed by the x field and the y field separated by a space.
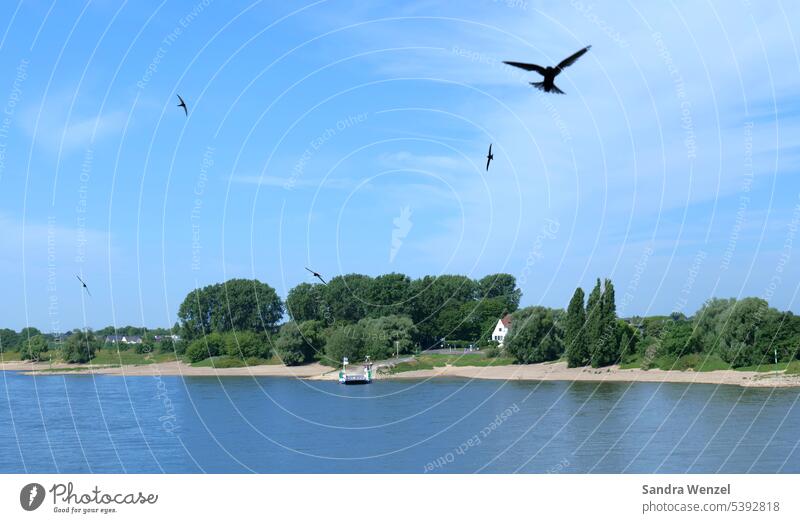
pixel 776 361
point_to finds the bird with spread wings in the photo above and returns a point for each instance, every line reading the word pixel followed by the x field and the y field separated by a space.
pixel 548 84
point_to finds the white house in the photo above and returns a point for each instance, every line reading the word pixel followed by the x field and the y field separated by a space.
pixel 135 340
pixel 501 329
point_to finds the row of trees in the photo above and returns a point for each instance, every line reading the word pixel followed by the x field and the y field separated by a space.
pixel 354 315
pixel 12 341
pixel 357 315
pixel 586 334
pixel 78 347
pixel 593 334
pixel 741 333
pixel 450 306
pixel 378 338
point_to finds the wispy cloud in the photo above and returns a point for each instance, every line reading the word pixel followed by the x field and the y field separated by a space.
pixel 406 159
pixel 51 127
pixel 289 183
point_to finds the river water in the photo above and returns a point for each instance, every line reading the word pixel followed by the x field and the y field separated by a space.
pixel 111 424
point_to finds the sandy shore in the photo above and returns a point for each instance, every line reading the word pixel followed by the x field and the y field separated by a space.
pixel 536 372
pixel 559 372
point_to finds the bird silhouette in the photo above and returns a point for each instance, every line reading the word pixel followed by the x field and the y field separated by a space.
pixel 83 283
pixel 182 104
pixel 548 84
pixel 489 157
pixel 316 275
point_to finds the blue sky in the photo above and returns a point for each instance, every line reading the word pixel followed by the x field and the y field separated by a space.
pixel 671 164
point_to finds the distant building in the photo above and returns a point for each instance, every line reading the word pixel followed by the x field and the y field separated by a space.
pixel 127 340
pixel 501 329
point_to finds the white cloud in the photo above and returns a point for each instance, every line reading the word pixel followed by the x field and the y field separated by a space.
pixel 290 182
pixel 53 128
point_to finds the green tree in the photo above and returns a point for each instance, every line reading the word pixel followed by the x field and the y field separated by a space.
pixel 9 340
pixel 33 347
pixel 710 321
pixel 387 335
pixel 577 347
pixel 534 336
pixel 740 333
pixel 348 297
pixel 433 295
pixel 779 333
pixel 388 295
pixel 680 338
pixel 345 341
pixel 299 343
pixel 503 286
pixel 29 332
pixel 240 305
pixel 307 302
pixel 606 349
pixel 628 338
pixel 594 317
pixel 80 347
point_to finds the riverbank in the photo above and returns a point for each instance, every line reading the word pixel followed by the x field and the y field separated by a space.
pixel 557 371
pixel 168 368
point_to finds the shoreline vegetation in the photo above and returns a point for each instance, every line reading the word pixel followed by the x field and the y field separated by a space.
pixel 433 326
pixel 431 366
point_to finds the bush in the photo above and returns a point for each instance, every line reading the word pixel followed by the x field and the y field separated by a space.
pixel 492 352
pixel 347 341
pixel 534 336
pixel 80 347
pixel 178 347
pixel 246 345
pixel 299 343
pixel 32 349
pixel 680 338
pixel 208 346
pixel 146 347
pixel 387 335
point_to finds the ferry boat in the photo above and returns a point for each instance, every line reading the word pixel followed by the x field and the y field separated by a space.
pixel 355 379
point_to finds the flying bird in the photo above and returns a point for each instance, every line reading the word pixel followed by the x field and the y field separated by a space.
pixel 182 104
pixel 489 157
pixel 84 285
pixel 316 275
pixel 548 84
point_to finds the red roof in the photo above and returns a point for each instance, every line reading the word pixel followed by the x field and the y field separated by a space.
pixel 506 320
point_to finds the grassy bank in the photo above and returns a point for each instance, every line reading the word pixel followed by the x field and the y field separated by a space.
pixel 430 361
pixel 228 362
pixel 706 363
pixel 130 357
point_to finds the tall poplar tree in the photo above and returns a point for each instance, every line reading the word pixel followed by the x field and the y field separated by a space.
pixel 606 351
pixel 593 319
pixel 575 340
